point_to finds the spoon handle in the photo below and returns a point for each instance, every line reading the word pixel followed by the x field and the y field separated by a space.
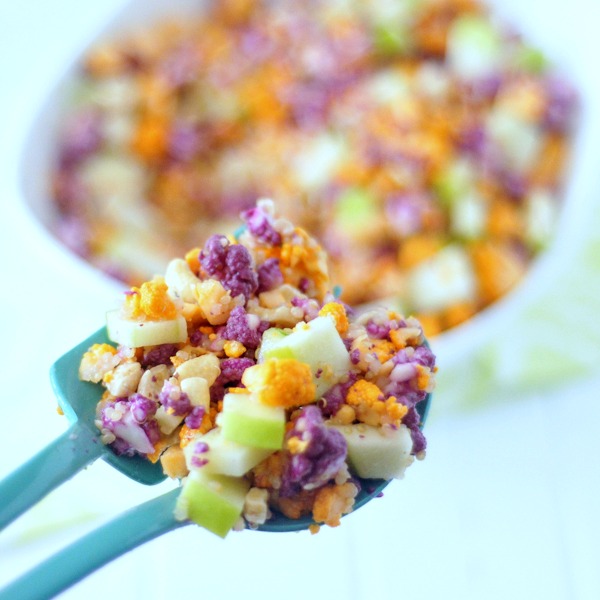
pixel 52 466
pixel 127 531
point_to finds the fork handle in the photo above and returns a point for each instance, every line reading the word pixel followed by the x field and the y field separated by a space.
pixel 127 531
pixel 56 463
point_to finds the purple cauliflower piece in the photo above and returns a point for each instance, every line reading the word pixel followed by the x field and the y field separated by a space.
pixel 318 453
pixel 232 370
pixel 309 306
pixel 81 138
pixel 422 355
pixel 401 383
pixel 412 420
pixel 121 417
pixel 142 408
pixel 260 225
pixel 231 264
pixel 269 275
pixel 184 141
pixel 561 105
pixel 175 401
pixel 405 212
pixel 198 458
pixel 244 328
pixel 378 331
pixel 158 355
pixel 194 419
pixel 335 397
pixel 473 140
pixel 180 66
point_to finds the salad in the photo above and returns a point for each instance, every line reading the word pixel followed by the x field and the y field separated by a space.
pixel 255 386
pixel 425 143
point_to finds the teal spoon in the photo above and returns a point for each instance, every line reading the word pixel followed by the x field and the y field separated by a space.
pixel 78 448
pixel 75 449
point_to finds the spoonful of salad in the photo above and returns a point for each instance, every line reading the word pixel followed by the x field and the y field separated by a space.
pixel 245 377
pixel 241 374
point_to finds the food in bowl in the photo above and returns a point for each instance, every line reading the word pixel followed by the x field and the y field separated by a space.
pixel 424 143
pixel 249 380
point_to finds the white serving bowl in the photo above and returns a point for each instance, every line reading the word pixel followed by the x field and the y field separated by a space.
pixel 564 50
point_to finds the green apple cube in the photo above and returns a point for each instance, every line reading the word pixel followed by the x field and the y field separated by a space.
pixel 271 342
pixel 136 334
pixel 474 47
pixel 354 208
pixel 316 343
pixel 223 456
pixel 214 502
pixel 248 422
pixel 377 454
pixel 445 279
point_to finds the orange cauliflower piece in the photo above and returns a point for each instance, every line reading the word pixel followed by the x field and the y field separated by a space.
pixel 304 256
pixel 333 501
pixel 371 407
pixel 192 258
pixel 151 301
pixel 425 380
pixel 297 506
pixel 267 474
pixel 282 382
pixel 233 348
pixel 338 312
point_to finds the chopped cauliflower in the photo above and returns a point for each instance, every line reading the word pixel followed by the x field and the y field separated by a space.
pixel 371 407
pixel 338 312
pixel 333 501
pixel 150 301
pixel 281 382
pixel 162 397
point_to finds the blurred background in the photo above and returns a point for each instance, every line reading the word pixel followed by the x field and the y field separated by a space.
pixel 506 502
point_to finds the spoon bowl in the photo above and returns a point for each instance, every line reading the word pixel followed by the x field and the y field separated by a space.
pixel 78 447
pixel 81 445
pixel 78 399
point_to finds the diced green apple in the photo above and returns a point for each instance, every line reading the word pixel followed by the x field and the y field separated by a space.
pixel 354 209
pixel 316 343
pixel 223 456
pixel 214 502
pixel 136 334
pixel 456 180
pixel 271 341
pixel 474 47
pixel 444 279
pixel 468 216
pixel 358 216
pixel 246 421
pixel 377 454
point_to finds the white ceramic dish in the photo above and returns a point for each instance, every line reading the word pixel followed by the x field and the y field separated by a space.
pixel 40 141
